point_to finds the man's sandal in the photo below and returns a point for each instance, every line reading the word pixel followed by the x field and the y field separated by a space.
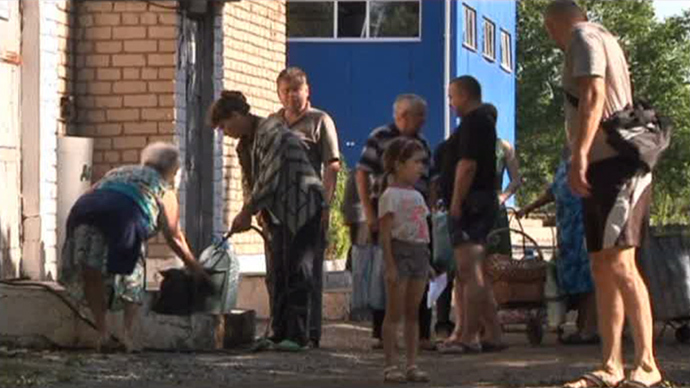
pixel 638 384
pixel 593 381
pixel 459 348
pixel 262 344
pixel 392 374
pixel 290 346
pixel 490 347
pixel 415 375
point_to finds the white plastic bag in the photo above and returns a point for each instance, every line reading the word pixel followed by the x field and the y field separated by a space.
pixel 377 282
pixel 368 288
pixel 361 266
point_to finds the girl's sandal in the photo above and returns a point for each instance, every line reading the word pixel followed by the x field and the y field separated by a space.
pixel 392 374
pixel 415 375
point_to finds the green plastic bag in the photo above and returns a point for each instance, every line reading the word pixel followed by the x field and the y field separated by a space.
pixel 443 256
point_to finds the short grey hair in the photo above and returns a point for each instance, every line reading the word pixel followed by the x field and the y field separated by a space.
pixel 161 156
pixel 409 101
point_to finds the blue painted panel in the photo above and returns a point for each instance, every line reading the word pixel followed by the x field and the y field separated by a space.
pixel 498 85
pixel 357 82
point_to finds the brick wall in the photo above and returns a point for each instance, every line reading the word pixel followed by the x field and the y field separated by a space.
pixel 56 74
pixel 63 22
pixel 125 83
pixel 252 51
pixel 125 86
pixel 129 90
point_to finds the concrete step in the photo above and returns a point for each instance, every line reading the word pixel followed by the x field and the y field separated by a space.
pixel 35 317
pixel 253 295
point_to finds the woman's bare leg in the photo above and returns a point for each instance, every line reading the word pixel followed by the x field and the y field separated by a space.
pixel 219 332
pixel 130 318
pixel 94 292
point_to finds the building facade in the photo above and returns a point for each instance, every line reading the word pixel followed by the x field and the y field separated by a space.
pixel 360 54
pixel 126 73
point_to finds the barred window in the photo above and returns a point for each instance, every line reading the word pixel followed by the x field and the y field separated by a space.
pixel 348 19
pixel 470 28
pixel 506 51
pixel 489 40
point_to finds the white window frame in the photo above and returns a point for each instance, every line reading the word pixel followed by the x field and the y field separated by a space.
pixel 366 39
pixel 489 46
pixel 470 44
pixel 506 52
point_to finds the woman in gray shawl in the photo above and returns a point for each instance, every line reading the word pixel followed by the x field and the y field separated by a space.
pixel 281 184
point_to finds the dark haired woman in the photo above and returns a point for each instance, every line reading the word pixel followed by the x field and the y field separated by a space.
pixel 280 183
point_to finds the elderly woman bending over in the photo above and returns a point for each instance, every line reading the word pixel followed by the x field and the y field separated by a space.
pixel 103 255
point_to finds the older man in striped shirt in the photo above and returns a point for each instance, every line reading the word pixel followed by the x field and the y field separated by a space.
pixel 409 116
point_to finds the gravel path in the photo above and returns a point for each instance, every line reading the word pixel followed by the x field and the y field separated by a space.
pixel 344 361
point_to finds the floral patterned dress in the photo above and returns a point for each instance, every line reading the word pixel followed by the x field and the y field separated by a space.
pixel 573 267
pixel 86 246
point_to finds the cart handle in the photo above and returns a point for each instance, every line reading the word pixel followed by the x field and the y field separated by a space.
pixel 540 254
pixel 512 215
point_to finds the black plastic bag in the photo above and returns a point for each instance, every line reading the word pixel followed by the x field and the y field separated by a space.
pixel 180 293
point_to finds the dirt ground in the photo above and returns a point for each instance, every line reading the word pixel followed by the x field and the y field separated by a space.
pixel 345 360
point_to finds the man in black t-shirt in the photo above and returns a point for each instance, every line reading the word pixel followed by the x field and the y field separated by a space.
pixel 467 185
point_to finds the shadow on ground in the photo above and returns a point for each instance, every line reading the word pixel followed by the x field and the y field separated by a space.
pixel 344 361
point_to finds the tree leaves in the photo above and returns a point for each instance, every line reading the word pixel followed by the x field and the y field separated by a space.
pixel 659 58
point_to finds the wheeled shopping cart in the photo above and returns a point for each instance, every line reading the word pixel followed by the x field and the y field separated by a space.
pixel 518 284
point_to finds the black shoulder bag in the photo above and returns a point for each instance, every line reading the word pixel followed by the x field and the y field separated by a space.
pixel 637 131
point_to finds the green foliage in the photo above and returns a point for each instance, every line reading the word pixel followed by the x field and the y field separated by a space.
pixel 338 233
pixel 659 59
pixel 394 19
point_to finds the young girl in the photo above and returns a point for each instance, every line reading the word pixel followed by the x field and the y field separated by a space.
pixel 404 234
